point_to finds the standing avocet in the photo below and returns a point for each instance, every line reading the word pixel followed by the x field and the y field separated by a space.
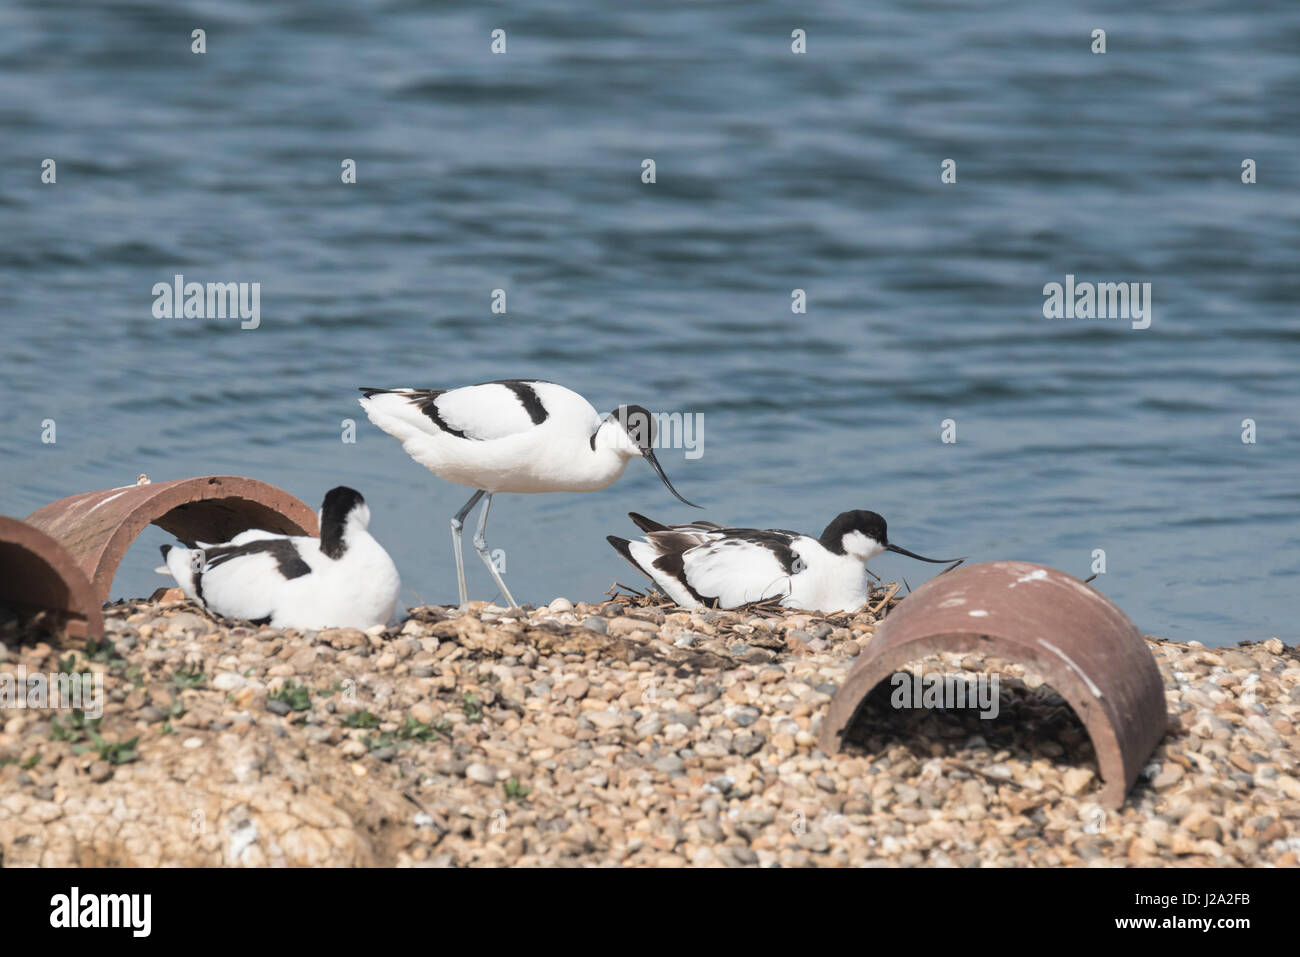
pixel 513 435
pixel 344 579
pixel 704 563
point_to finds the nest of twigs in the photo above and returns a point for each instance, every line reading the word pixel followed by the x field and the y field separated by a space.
pixel 881 599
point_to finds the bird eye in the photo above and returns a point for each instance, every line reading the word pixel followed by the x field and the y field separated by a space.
pixel 797 565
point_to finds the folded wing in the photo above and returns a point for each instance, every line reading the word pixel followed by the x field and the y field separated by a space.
pixel 492 410
pixel 704 563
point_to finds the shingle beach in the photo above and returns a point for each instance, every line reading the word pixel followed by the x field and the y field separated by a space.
pixel 623 733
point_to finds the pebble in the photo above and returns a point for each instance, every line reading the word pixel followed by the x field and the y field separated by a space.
pixel 606 720
pixel 670 764
pixel 1076 780
pixel 185 622
pixel 229 681
pixel 1169 775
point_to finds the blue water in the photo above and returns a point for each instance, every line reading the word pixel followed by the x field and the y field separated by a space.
pixel 774 172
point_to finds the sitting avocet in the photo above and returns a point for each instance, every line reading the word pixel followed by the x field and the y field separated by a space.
pixel 704 564
pixel 344 579
pixel 513 435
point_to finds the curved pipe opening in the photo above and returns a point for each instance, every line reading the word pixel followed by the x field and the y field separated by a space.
pixel 97 528
pixel 1074 637
pixel 37 575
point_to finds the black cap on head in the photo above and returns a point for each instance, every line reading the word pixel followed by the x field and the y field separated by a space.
pixel 870 524
pixel 638 423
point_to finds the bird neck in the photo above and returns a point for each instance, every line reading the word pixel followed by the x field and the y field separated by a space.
pixel 608 462
pixel 851 544
pixel 337 536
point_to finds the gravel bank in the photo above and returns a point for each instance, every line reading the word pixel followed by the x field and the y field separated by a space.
pixel 620 733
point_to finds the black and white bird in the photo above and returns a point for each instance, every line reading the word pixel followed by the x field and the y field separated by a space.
pixel 705 564
pixel 344 579
pixel 513 435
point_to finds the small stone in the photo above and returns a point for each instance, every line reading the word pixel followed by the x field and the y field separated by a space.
pixel 45 812
pixel 576 688
pixel 670 764
pixel 342 638
pixel 101 771
pixel 1235 659
pixel 1288 786
pixel 229 681
pixel 1076 780
pixel 676 732
pixel 1209 829
pixel 710 830
pixel 184 621
pixel 606 720
pixel 647 726
pixel 423 712
pixel 972 794
pixel 1181 843
pixel 1169 775
pixel 815 841
pixel 480 773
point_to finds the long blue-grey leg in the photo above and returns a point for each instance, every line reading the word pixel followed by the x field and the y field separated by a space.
pixel 457 523
pixel 481 546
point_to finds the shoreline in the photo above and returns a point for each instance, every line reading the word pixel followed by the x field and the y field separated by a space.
pixel 619 733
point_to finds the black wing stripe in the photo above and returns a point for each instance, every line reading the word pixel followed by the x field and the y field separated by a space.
pixel 427 402
pixel 776 542
pixel 287 559
pixel 527 395
pixel 647 524
pixel 674 565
